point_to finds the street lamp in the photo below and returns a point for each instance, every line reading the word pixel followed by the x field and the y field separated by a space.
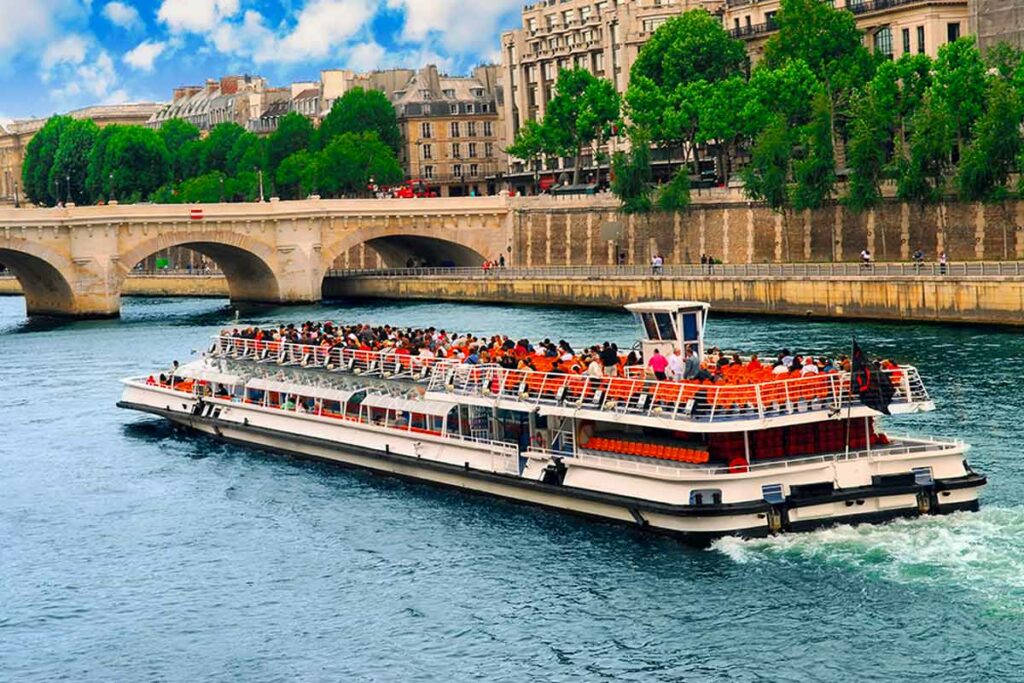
pixel 17 204
pixel 110 189
pixel 221 190
pixel 259 172
pixel 67 188
pixel 56 191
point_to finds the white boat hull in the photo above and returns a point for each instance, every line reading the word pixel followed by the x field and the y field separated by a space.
pixel 652 497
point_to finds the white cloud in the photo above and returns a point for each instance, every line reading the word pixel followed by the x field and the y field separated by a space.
pixel 458 26
pixel 196 16
pixel 68 50
pixel 123 15
pixel 25 26
pixel 142 56
pixel 324 25
pixel 366 56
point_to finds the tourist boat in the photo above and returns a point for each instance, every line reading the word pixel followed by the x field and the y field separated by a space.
pixel 694 459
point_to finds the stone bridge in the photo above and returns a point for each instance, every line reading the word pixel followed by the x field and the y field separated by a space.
pixel 73 261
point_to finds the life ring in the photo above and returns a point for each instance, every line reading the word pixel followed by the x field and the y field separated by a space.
pixel 738 465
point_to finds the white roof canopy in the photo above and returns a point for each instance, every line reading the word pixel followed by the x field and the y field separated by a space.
pixel 304 390
pixel 423 407
pixel 666 306
pixel 209 375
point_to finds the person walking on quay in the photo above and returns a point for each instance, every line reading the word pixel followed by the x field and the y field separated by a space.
pixel 501 261
pixel 918 260
pixel 657 264
pixel 865 259
pixel 943 263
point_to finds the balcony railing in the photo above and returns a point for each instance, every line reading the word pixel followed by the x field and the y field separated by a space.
pixel 853 6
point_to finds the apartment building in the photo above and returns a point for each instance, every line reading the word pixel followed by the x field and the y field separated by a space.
pixel 891 27
pixel 240 99
pixel 451 139
pixel 602 36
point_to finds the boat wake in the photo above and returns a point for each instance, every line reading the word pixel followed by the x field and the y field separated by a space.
pixel 982 552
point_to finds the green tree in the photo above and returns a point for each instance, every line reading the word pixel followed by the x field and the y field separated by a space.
pixel 788 91
pixel 815 172
pixel 990 158
pixel 347 165
pixel 766 177
pixel 39 155
pixel 828 41
pixel 582 112
pixel 872 129
pixel 722 120
pixel 1004 60
pixel 97 181
pixel 631 174
pixel 139 162
pixel 923 172
pixel 960 84
pixel 71 161
pixel 529 145
pixel 217 147
pixel 248 153
pixel 674 76
pixel 180 138
pixel 294 133
pixel 675 195
pixel 209 188
pixel 295 175
pixel 362 111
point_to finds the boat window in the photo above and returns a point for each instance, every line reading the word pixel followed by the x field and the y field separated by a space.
pixel 691 326
pixel 650 326
pixel 666 330
pixel 706 497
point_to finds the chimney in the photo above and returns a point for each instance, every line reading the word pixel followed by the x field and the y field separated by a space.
pixel 211 85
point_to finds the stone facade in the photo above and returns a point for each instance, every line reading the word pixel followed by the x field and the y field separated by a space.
pixel 15 136
pixel 995 21
pixel 891 27
pixel 451 131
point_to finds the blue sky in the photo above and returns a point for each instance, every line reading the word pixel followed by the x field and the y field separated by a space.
pixel 57 55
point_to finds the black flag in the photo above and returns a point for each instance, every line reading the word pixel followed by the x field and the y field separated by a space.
pixel 869 382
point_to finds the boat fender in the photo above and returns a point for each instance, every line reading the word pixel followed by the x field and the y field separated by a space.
pixel 737 465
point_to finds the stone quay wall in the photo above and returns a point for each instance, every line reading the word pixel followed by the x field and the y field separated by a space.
pixel 991 300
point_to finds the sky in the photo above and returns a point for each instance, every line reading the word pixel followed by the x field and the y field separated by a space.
pixel 58 55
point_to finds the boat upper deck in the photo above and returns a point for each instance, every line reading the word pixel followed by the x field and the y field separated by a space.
pixel 730 403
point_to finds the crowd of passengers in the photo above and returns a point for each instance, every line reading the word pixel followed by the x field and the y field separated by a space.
pixel 602 360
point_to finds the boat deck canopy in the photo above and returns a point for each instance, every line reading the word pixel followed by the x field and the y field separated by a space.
pixel 210 375
pixel 422 407
pixel 325 393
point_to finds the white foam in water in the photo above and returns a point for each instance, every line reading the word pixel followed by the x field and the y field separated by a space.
pixel 982 552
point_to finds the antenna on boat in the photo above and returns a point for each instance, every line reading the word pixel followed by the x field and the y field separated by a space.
pixel 237 315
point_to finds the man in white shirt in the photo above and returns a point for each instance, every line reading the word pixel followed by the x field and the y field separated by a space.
pixel 676 365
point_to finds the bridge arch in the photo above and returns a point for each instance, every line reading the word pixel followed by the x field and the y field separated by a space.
pixel 245 262
pixel 45 277
pixel 397 244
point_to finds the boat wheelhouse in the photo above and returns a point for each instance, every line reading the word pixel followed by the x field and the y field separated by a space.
pixel 747 454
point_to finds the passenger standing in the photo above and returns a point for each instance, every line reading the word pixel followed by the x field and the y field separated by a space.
pixel 658 364
pixel 692 366
pixel 943 263
pixel 676 365
pixel 610 360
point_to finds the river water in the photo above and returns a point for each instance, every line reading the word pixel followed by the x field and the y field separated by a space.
pixel 132 552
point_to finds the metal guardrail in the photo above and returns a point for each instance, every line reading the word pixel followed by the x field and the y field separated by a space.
pixel 744 270
pixel 688 401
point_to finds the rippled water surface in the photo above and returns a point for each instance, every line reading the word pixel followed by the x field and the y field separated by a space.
pixel 132 552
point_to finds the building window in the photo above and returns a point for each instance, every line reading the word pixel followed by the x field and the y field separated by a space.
pixel 448 92
pixel 425 130
pixel 456 150
pixel 457 170
pixel 585 13
pixel 454 109
pixel 920 40
pixel 428 172
pixel 883 41
pixel 469 108
pixel 906 41
pixel 953 31
pixel 471 129
pixel 428 151
pixel 599 61
pixel 472 150
pixel 488 129
pixel 474 170
pixel 484 108
pixel 488 149
pixel 455 129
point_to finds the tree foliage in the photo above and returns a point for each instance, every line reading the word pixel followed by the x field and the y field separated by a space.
pixel 989 160
pixel 139 162
pixel 216 148
pixel 181 139
pixel 582 112
pixel 352 161
pixel 294 133
pixel 631 175
pixel 71 161
pixel 39 156
pixel 362 111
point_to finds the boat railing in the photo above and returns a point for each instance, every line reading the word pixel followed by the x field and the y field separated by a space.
pixel 692 401
pixel 387 363
pixel 638 465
